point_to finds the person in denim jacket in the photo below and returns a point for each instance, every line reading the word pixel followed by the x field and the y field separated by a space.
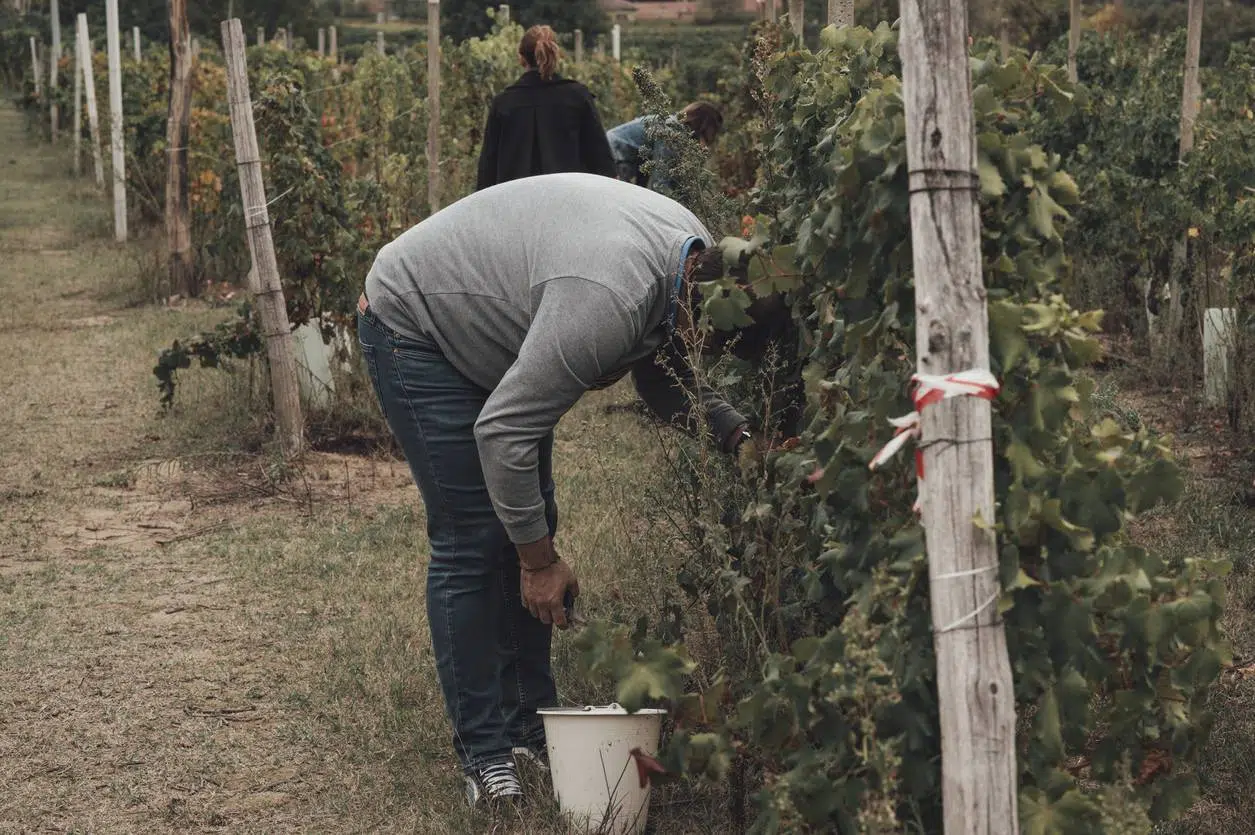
pixel 627 142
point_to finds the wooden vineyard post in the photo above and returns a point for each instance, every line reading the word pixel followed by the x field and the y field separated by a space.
pixel 322 43
pixel 1074 37
pixel 89 92
pixel 116 127
pixel 433 105
pixel 381 45
pixel 38 76
pixel 841 12
pixel 503 14
pixel 771 11
pixel 178 117
pixel 335 51
pixel 269 291
pixel 261 35
pixel 291 41
pixel 54 60
pixel 616 42
pixel 139 53
pixel 579 46
pixel 1004 31
pixel 797 15
pixel 974 685
pixel 78 109
pixel 1191 92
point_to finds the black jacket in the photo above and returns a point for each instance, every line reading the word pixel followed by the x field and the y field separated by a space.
pixel 543 127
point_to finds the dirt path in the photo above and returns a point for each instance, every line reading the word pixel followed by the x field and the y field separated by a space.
pixel 146 684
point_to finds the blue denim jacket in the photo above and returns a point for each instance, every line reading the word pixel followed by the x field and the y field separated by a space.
pixel 626 143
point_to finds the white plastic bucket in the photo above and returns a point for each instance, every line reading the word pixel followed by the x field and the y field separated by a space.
pixel 594 777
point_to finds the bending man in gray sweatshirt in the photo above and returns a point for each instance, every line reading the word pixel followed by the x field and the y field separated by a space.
pixel 480 328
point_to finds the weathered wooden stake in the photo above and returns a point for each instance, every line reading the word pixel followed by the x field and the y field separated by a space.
pixel 54 61
pixel 291 40
pixel 38 74
pixel 78 110
pixel 139 53
pixel 1219 331
pixel 579 46
pixel 1074 37
pixel 772 15
pixel 89 93
pixel 268 289
pixel 976 696
pixel 1191 94
pixel 433 105
pixel 335 51
pixel 261 35
pixel 117 132
pixel 616 42
pixel 503 14
pixel 797 17
pixel 322 43
pixel 178 118
pixel 841 12
pixel 380 45
pixel 1184 250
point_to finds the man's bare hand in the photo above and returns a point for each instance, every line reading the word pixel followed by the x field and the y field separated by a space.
pixel 544 592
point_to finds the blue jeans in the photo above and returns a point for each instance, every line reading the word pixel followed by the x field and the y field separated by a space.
pixel 492 656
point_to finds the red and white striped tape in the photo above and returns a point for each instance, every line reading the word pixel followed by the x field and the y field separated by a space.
pixel 930 389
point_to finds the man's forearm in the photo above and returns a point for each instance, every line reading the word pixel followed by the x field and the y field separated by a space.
pixel 671 390
pixel 535 556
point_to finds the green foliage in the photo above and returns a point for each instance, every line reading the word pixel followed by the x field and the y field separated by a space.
pixel 463 19
pixel 699 56
pixel 239 339
pixel 677 161
pixel 1139 203
pixel 1225 25
pixel 814 571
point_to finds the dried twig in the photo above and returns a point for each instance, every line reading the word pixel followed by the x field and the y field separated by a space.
pixel 191 534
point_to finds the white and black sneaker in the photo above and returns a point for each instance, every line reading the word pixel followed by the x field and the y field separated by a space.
pixel 497 782
pixel 537 758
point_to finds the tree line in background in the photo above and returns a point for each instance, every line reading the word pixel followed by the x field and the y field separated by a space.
pixel 460 19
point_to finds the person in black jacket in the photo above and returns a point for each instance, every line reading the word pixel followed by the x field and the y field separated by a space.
pixel 543 123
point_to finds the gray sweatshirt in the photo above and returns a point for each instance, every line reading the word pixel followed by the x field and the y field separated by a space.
pixel 537 290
